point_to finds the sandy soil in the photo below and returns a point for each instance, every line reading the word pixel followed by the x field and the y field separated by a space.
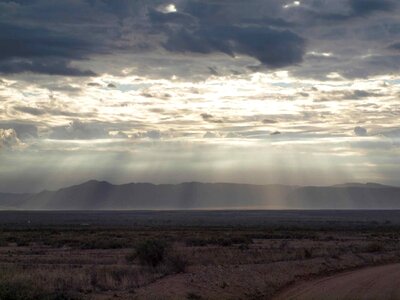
pixel 381 282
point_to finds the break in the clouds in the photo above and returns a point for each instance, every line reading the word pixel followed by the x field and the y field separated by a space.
pixel 300 92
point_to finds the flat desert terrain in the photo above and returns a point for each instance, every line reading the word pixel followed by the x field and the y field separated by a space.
pixel 199 255
pixel 382 282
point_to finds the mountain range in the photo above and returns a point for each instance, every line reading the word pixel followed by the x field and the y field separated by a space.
pixel 102 195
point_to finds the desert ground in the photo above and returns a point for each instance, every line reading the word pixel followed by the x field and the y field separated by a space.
pixel 381 282
pixel 199 255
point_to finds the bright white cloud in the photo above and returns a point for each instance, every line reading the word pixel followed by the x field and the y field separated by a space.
pixel 9 139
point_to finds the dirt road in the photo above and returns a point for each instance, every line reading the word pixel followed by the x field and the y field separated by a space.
pixel 381 283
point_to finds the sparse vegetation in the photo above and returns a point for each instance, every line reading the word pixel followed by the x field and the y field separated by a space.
pixel 103 244
pixel 176 263
pixel 375 247
pixel 149 252
pixel 29 291
pixel 193 296
pixel 246 262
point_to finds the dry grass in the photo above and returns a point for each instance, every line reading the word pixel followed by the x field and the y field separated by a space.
pixel 200 263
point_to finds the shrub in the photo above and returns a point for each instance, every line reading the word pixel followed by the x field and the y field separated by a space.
pixel 241 240
pixel 16 290
pixel 224 242
pixel 243 247
pixel 307 253
pixel 196 242
pixel 103 244
pixel 149 253
pixel 130 257
pixel 374 247
pixel 177 263
pixel 193 296
pixel 22 243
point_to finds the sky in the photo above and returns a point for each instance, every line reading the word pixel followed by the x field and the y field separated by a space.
pixel 258 91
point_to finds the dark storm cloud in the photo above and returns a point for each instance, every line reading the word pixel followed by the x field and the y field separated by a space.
pixel 27 42
pixel 40 50
pixel 354 34
pixel 395 46
pixel 367 7
pixel 42 66
pixel 45 37
pixel 272 47
pixel 162 18
pixel 347 10
pixel 233 28
pixel 53 37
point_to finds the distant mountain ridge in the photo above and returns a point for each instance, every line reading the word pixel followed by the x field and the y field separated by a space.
pixel 102 195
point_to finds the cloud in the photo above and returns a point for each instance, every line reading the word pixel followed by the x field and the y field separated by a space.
pixel 49 66
pixel 22 130
pixel 153 134
pixel 41 37
pixel 47 110
pixel 30 110
pixel 395 46
pixel 77 130
pixel 156 16
pixel 40 50
pixel 268 121
pixel 210 118
pixel 9 139
pixel 271 47
pixel 362 8
pixel 210 135
pixel 233 135
pixel 33 42
pixel 119 135
pixel 360 131
pixel 150 134
pixel 94 84
pixel 340 11
pixel 360 94
pixel 394 133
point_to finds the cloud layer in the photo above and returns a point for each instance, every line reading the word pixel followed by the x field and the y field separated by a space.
pixel 302 92
pixel 50 38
